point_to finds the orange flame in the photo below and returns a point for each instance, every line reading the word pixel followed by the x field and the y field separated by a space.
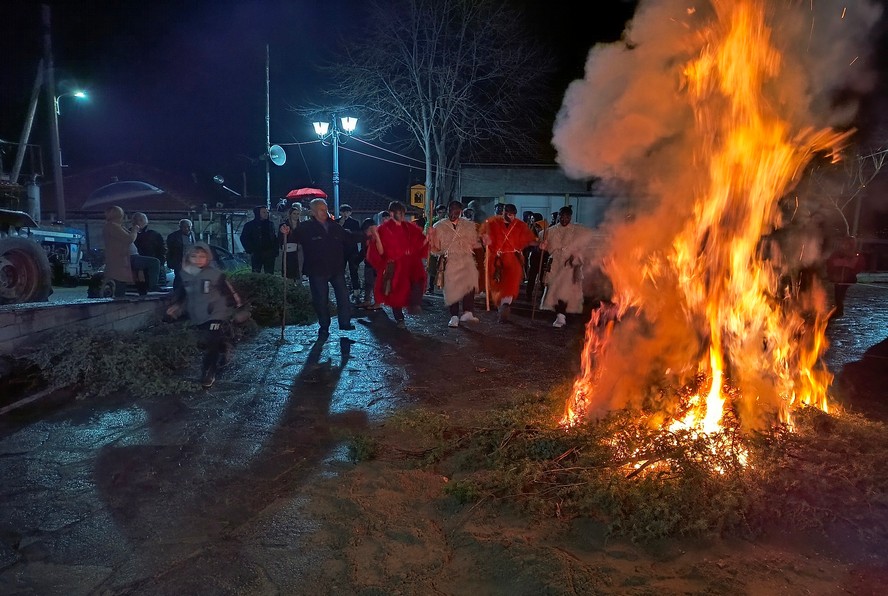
pixel 715 282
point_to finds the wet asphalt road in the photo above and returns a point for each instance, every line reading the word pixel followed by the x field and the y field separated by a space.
pixel 204 493
pixel 201 494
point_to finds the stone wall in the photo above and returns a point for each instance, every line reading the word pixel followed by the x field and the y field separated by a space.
pixel 23 325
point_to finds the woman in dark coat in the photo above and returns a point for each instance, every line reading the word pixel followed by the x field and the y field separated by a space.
pixel 293 256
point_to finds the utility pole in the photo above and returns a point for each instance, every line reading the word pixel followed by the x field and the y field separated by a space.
pixel 267 131
pixel 26 130
pixel 53 117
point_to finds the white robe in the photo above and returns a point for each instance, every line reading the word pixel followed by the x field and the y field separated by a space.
pixel 564 282
pixel 461 271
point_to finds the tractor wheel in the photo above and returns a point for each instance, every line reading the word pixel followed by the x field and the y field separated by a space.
pixel 25 274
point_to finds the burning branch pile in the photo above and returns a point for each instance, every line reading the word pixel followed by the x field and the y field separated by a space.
pixel 700 286
pixel 644 482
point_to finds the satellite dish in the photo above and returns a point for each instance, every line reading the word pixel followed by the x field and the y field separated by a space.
pixel 276 155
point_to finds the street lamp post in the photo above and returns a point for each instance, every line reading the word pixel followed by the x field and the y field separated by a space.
pixel 57 150
pixel 78 95
pixel 330 132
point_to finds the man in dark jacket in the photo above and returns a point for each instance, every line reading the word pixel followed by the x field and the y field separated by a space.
pixel 323 242
pixel 352 252
pixel 177 243
pixel 149 243
pixel 259 240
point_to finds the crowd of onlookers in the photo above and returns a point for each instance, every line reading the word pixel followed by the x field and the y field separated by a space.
pixel 136 255
pixel 399 260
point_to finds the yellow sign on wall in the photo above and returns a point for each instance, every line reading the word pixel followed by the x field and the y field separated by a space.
pixel 418 196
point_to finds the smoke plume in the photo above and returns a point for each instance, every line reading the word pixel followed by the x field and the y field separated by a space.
pixel 630 122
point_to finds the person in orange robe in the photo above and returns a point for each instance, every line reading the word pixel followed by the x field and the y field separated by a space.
pixel 504 238
pixel 396 254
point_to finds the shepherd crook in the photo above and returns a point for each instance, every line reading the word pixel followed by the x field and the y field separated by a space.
pixel 539 279
pixel 284 306
pixel 487 276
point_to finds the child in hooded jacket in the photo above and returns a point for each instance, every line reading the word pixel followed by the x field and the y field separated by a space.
pixel 209 301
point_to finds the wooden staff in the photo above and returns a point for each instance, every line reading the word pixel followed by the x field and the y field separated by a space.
pixel 539 279
pixel 284 309
pixel 487 276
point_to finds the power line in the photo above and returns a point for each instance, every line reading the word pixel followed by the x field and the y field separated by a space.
pixel 389 151
pixel 397 163
pixel 343 147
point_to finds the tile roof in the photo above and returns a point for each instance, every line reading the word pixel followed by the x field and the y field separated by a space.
pixel 184 193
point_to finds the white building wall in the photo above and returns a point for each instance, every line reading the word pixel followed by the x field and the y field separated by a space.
pixel 543 189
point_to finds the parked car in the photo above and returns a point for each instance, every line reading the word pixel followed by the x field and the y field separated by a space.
pixel 229 261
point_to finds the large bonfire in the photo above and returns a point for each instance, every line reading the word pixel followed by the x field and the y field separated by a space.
pixel 709 113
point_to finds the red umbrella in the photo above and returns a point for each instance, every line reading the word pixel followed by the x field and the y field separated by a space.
pixel 306 193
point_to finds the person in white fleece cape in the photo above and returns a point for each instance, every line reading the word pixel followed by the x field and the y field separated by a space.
pixel 454 239
pixel 569 246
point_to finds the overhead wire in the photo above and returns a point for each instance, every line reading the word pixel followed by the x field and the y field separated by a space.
pixel 343 147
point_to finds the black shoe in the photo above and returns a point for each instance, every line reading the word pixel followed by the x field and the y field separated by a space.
pixel 209 378
pixel 348 327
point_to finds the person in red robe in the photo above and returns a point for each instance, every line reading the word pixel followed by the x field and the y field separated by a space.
pixel 842 267
pixel 396 254
pixel 504 238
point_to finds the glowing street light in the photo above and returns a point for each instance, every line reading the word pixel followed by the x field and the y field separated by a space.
pixel 57 149
pixel 330 133
pixel 77 94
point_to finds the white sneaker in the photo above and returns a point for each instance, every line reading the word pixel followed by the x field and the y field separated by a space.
pixel 468 317
pixel 560 321
pixel 454 321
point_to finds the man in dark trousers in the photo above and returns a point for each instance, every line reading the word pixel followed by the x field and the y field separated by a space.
pixel 150 243
pixel 177 243
pixel 260 241
pixel 323 242
pixel 352 252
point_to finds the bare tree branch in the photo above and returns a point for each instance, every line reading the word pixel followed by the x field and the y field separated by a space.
pixel 445 78
pixel 843 188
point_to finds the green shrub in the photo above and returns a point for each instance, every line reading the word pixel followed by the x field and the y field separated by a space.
pixel 464 491
pixel 362 448
pixel 265 294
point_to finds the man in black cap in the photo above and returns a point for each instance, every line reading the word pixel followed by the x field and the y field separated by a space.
pixel 260 241
pixel 504 238
pixel 571 246
pixel 352 251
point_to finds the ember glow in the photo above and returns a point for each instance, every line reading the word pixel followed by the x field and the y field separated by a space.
pixel 697 288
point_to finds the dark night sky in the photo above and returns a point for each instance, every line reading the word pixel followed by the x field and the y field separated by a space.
pixel 181 85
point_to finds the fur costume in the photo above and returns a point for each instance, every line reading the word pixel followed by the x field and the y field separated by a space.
pixel 456 245
pixel 505 263
pixel 403 248
pixel 570 247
